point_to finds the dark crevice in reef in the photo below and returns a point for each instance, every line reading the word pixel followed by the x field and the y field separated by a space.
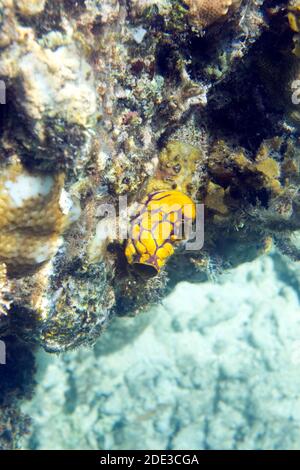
pixel 64 138
pixel 167 55
pixel 17 383
pixel 248 106
pixel 245 116
pixel 75 7
pixel 3 119
pixel 7 111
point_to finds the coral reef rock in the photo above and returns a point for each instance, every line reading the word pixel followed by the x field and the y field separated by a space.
pixel 112 99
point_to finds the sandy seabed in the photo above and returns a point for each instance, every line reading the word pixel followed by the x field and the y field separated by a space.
pixel 216 366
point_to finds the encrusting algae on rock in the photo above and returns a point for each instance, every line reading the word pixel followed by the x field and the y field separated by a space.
pixel 206 12
pixel 177 168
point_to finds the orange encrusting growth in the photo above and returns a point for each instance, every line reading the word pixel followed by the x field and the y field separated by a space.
pixel 206 12
pixel 157 227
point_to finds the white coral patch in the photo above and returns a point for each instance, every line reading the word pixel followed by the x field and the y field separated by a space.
pixel 65 202
pixel 45 251
pixel 68 207
pixel 42 253
pixel 58 83
pixel 25 187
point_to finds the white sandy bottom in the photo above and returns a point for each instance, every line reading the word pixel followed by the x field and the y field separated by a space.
pixel 215 367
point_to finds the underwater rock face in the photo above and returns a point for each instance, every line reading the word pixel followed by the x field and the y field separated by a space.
pixel 206 370
pixel 107 99
pixel 17 383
